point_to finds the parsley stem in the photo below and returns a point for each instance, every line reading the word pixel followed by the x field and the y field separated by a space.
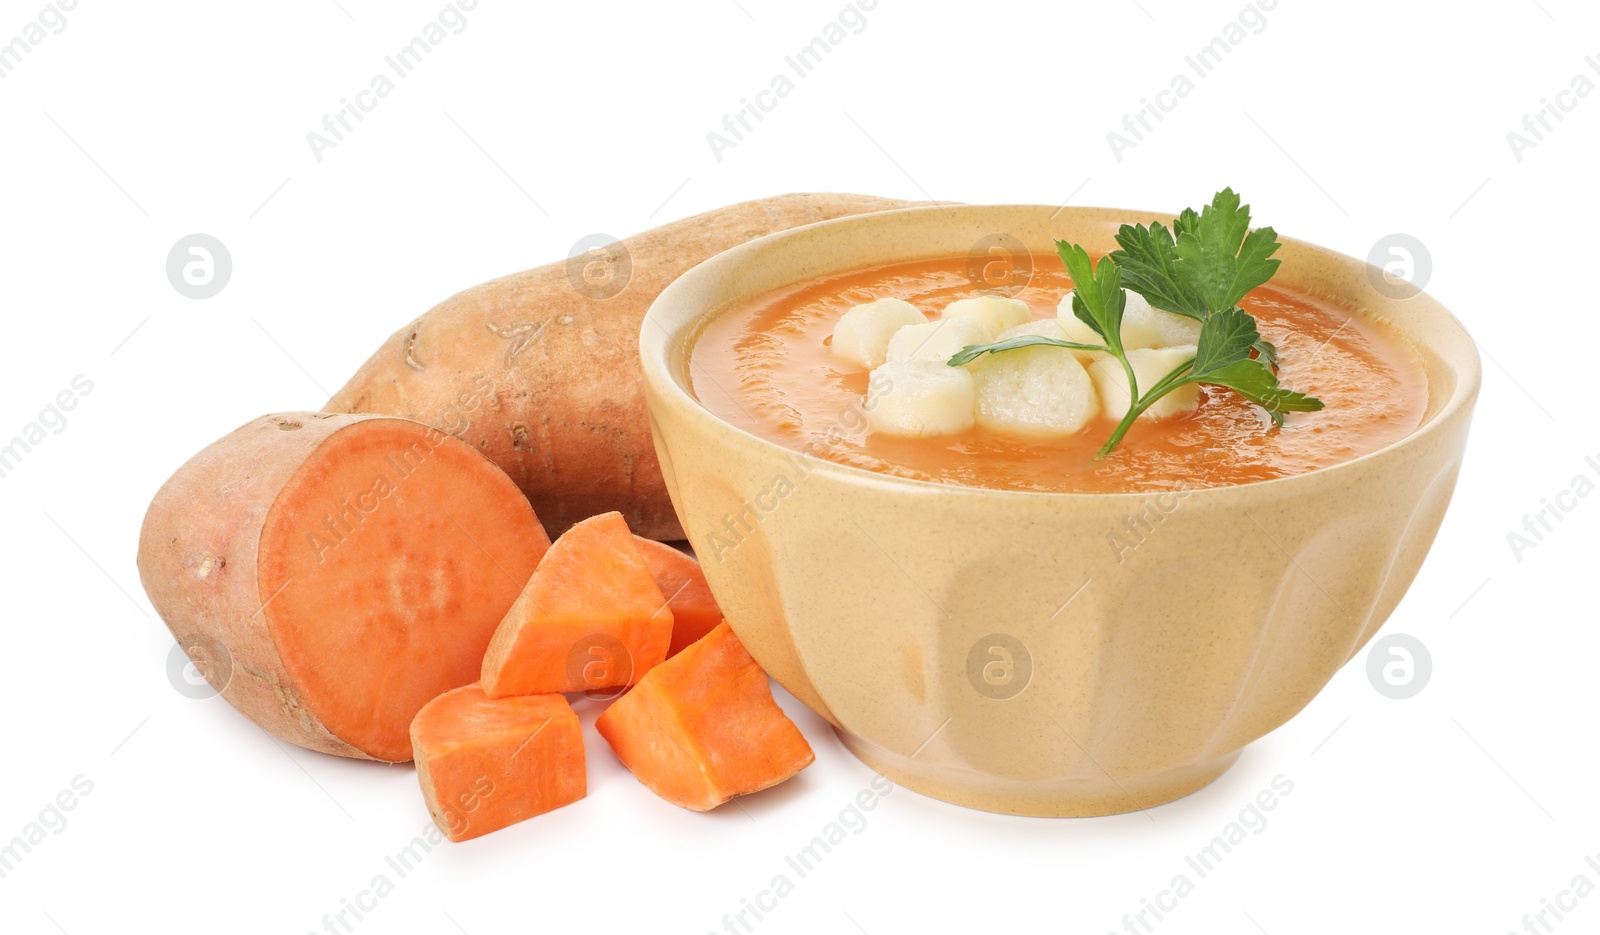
pixel 1121 430
pixel 1174 379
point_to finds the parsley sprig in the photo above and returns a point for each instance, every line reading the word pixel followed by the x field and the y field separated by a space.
pixel 1202 268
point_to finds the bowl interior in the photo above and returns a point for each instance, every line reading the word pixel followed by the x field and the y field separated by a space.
pixel 682 312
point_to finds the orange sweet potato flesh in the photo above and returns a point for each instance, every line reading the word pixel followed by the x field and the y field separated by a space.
pixel 486 763
pixel 678 575
pixel 540 371
pixel 591 617
pixel 702 727
pixel 338 571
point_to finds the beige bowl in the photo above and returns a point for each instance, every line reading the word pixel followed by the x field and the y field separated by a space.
pixel 988 647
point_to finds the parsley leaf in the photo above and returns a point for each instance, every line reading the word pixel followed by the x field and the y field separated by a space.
pixel 1267 352
pixel 1185 222
pixel 1225 338
pixel 1202 267
pixel 1253 266
pixel 1257 383
pixel 1148 260
pixel 1098 298
pixel 1223 359
pixel 1208 262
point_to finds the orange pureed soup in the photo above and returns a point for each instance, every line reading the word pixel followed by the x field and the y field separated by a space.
pixel 767 368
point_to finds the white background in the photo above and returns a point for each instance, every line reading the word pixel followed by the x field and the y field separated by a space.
pixel 1458 810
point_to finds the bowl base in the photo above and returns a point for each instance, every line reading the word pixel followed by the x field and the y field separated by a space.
pixel 1061 798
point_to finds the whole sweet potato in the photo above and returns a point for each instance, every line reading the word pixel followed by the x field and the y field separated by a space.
pixel 539 370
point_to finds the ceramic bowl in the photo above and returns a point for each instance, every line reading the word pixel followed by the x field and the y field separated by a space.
pixel 987 647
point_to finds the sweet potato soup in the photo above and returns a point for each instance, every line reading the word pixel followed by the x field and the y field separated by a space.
pixel 768 368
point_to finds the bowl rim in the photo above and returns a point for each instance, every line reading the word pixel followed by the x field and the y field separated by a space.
pixel 657 342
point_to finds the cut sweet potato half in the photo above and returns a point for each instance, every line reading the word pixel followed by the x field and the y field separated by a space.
pixel 344 569
pixel 702 727
pixel 591 617
pixel 694 609
pixel 486 763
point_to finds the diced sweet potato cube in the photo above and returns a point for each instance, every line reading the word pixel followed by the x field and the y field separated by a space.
pixel 486 763
pixel 590 618
pixel 694 610
pixel 702 727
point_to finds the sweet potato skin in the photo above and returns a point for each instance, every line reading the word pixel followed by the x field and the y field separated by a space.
pixel 540 372
pixel 200 562
pixel 198 566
